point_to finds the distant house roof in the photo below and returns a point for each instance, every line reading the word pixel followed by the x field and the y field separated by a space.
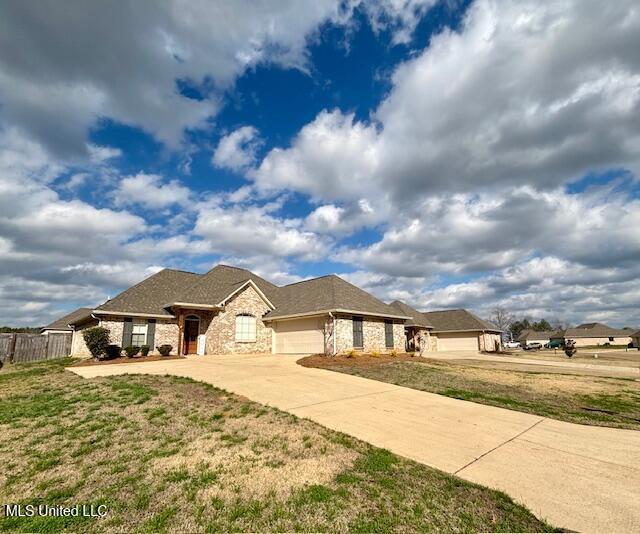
pixel 536 334
pixel 156 295
pixel 418 319
pixel 328 293
pixel 594 330
pixel 458 321
pixel 76 316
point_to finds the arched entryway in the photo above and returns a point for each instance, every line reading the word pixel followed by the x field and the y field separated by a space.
pixel 191 331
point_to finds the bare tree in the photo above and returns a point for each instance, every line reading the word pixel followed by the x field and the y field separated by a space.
pixel 502 318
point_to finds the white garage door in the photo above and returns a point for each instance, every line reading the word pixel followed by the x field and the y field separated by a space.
pixel 458 341
pixel 299 336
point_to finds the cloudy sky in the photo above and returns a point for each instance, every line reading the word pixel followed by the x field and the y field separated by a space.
pixel 447 153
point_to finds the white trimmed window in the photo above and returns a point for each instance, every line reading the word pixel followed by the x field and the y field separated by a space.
pixel 139 333
pixel 245 328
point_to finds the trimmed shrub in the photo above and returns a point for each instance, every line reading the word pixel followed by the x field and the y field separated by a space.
pixel 112 351
pixel 132 350
pixel 351 354
pixel 96 339
pixel 165 350
pixel 144 350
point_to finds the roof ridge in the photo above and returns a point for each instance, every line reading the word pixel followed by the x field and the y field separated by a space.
pixel 178 271
pixel 310 280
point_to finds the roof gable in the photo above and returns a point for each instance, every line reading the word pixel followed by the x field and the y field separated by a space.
pixel 63 322
pixel 458 320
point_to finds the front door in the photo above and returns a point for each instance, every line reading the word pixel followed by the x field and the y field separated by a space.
pixel 191 331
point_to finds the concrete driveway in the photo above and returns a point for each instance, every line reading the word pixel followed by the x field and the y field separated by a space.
pixel 575 476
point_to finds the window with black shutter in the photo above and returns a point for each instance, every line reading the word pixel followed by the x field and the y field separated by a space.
pixel 358 341
pixel 388 334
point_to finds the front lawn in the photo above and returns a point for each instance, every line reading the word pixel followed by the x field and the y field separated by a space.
pixel 589 400
pixel 170 454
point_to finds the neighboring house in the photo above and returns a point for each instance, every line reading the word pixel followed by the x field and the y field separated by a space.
pixel 532 336
pixel 462 330
pixel 595 334
pixel 635 339
pixel 416 329
pixel 232 310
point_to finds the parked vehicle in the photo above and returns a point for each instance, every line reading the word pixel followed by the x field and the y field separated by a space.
pixel 512 345
pixel 533 346
pixel 554 344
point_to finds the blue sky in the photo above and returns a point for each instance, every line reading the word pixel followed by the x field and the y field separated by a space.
pixel 447 153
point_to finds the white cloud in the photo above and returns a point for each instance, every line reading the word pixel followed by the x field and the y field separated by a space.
pixel 249 231
pixel 149 190
pixel 523 93
pixel 73 71
pixel 333 157
pixel 237 150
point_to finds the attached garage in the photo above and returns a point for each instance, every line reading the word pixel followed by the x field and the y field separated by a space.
pixel 457 341
pixel 299 336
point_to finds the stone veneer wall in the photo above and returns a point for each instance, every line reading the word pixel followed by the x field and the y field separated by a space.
pixel 78 346
pixel 166 332
pixel 221 332
pixel 373 334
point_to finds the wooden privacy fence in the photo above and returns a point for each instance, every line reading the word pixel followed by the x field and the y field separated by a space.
pixel 18 348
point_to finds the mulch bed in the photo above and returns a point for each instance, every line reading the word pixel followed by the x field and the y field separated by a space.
pixel 124 359
pixel 359 360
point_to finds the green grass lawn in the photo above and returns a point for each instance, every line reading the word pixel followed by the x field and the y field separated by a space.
pixel 170 454
pixel 589 400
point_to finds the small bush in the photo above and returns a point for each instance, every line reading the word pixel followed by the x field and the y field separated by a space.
pixel 394 353
pixel 96 339
pixel 144 350
pixel 351 354
pixel 165 350
pixel 375 353
pixel 112 351
pixel 132 350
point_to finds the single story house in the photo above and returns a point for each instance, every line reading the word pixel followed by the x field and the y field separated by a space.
pixel 588 334
pixel 635 339
pixel 462 330
pixel 528 336
pixel 417 329
pixel 232 310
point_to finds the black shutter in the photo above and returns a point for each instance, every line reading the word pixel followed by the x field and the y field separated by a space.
pixel 358 341
pixel 126 332
pixel 388 334
pixel 151 334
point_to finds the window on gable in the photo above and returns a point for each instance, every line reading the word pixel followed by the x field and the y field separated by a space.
pixel 139 333
pixel 245 328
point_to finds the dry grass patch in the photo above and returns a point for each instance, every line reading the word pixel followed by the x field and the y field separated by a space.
pixel 601 401
pixel 170 454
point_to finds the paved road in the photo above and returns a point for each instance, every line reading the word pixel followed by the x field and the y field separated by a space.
pixel 575 476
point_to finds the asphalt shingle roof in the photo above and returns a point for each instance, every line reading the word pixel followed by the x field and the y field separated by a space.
pixel 63 322
pixel 536 334
pixel 327 293
pixel 460 320
pixel 595 330
pixel 213 286
pixel 418 319
pixel 152 295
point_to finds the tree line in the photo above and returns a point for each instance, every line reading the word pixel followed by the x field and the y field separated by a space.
pixel 508 323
